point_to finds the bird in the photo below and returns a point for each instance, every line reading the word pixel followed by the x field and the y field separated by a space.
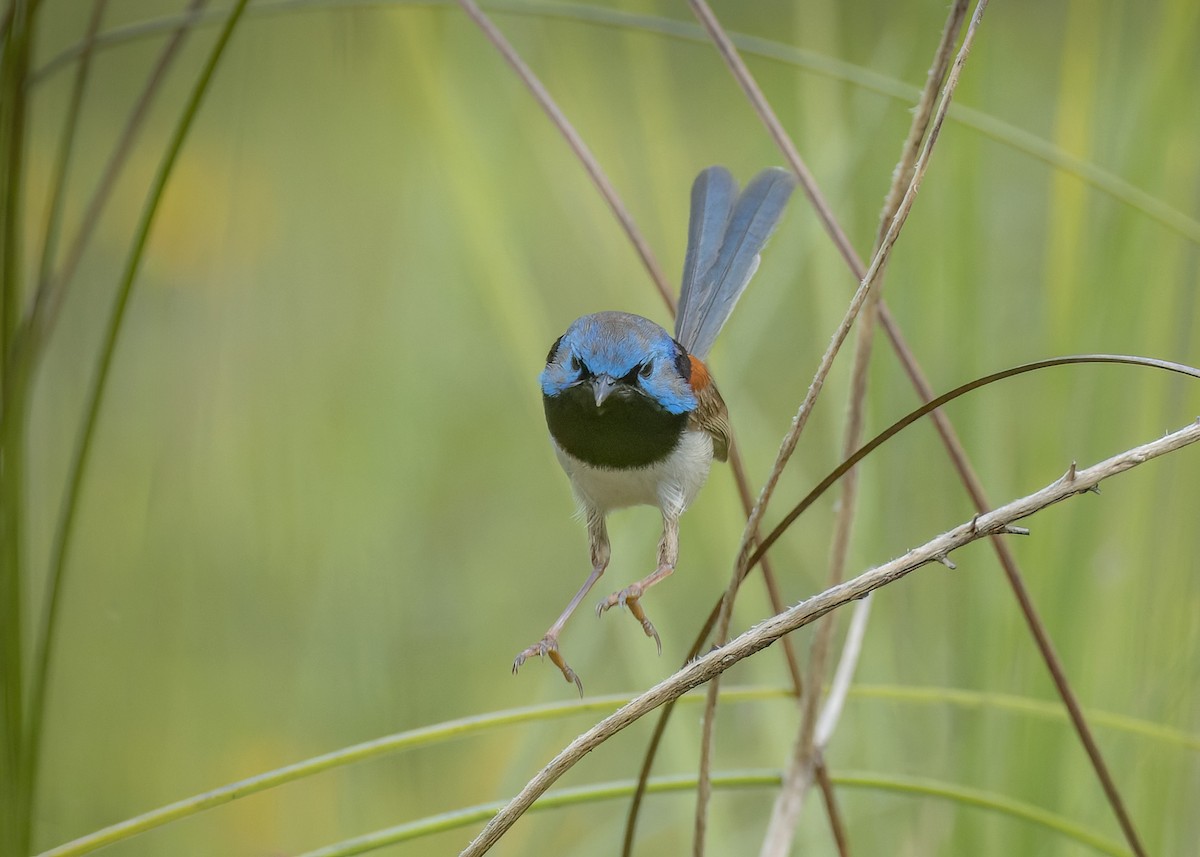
pixel 633 413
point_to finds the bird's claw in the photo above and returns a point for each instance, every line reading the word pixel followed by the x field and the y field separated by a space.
pixel 548 647
pixel 627 597
pixel 630 597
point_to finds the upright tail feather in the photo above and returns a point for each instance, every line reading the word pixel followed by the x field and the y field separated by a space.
pixel 726 233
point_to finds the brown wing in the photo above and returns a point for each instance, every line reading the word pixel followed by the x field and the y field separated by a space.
pixel 711 415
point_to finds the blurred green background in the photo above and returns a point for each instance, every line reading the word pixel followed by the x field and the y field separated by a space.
pixel 322 506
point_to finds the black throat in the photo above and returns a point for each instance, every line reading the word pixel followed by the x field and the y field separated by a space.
pixel 627 431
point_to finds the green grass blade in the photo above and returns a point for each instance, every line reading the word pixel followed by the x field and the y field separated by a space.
pixel 1043 709
pixel 913 786
pixel 19 35
pixel 991 801
pixel 424 736
pixel 427 736
pixel 459 818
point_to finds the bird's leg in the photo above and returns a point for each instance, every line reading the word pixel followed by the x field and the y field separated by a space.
pixel 548 645
pixel 630 596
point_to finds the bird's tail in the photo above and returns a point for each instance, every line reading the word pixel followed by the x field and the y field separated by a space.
pixel 726 232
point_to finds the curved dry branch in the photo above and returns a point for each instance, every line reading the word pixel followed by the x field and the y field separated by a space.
pixel 865 291
pixel 808 749
pixel 996 522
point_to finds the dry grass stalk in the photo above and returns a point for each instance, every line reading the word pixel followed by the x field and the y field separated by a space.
pixel 702 670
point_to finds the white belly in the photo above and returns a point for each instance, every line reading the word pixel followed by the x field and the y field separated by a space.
pixel 671 484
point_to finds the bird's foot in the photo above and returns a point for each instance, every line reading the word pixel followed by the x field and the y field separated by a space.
pixel 548 647
pixel 630 597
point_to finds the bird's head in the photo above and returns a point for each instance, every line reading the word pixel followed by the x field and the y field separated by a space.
pixel 620 357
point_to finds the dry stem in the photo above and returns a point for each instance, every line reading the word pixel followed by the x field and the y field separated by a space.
pixel 809 750
pixel 764 634
pixel 970 480
pixel 788 446
pixel 908 360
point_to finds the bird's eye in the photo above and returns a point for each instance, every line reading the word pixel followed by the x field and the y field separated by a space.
pixel 579 366
pixel 642 370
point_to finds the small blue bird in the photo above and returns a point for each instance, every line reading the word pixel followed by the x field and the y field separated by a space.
pixel 633 413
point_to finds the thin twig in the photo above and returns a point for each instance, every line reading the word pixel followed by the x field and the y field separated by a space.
pixel 708 719
pixel 22 351
pixel 872 273
pixel 931 406
pixel 901 178
pixel 764 634
pixel 1012 573
pixel 836 825
pixel 789 653
pixel 774 596
pixel 560 121
pixel 807 763
pixel 781 828
pixel 729 53
pixel 943 426
pixel 973 485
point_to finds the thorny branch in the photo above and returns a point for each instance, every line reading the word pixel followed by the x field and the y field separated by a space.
pixel 704 669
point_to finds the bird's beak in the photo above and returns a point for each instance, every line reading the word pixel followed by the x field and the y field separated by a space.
pixel 603 385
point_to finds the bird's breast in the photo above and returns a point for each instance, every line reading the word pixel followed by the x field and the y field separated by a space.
pixel 625 432
pixel 670 484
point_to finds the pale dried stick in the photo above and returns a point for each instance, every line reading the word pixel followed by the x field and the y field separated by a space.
pixel 808 752
pixel 900 179
pixel 729 53
pixel 843 677
pixel 697 672
pixel 971 482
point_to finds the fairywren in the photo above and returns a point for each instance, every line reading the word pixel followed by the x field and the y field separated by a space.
pixel 634 415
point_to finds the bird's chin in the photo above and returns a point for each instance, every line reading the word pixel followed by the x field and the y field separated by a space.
pixel 627 429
